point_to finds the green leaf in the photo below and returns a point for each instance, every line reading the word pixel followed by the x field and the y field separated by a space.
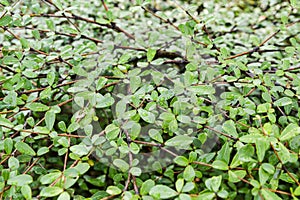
pixel 261 147
pixel 251 138
pixel 121 164
pixel 62 126
pixel 155 135
pixel 135 171
pixel 10 60
pixel 188 187
pixel 191 67
pixel 121 108
pixel 101 82
pixel 36 34
pixel 80 150
pixel 179 184
pixel 25 43
pixel 214 183
pixel 69 181
pixel 105 101
pixel 51 77
pixel 64 196
pixel 8 145
pixel 73 127
pixel 150 54
pixel 267 194
pixel 189 173
pixel 26 191
pixel 49 178
pixel 112 132
pixel 180 141
pixel 224 153
pixel 46 93
pixel 146 186
pixel 230 128
pixel 146 116
pixel 267 97
pixel 50 24
pixel 162 192
pixel 245 153
pixel 157 76
pixel 37 107
pixel 41 129
pixel 236 176
pixel 29 73
pixel 113 190
pixel 207 196
pixel 283 153
pixel 219 164
pixel 135 83
pixel 6 122
pixel 268 168
pixel 42 151
pixel 295 3
pixel 5 20
pixel 284 101
pixel 82 168
pixel 11 98
pixel 58 4
pixel 289 132
pixel 20 180
pixel 263 108
pixel 181 161
pixel 5 173
pixel 286 177
pixel 290 50
pixel 51 191
pixel 134 148
pixel 297 191
pixel 24 148
pixel 124 58
pixel 50 119
pixel 186 29
pixel 202 89
pixel 134 132
pixel 13 163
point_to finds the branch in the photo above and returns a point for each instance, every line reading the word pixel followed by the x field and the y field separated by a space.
pixel 257 48
pixel 112 25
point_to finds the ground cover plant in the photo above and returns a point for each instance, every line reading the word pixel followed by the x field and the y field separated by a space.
pixel 149 99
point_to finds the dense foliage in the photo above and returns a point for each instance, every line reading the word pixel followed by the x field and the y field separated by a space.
pixel 119 99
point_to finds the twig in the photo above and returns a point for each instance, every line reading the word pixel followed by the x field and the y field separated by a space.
pixel 112 25
pixel 255 49
pixel 136 189
pixel 51 3
pixel 221 133
pixel 104 5
pixel 285 169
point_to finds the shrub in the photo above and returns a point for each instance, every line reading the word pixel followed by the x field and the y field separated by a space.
pixel 149 99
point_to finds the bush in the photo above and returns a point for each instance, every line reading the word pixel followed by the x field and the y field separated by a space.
pixel 149 99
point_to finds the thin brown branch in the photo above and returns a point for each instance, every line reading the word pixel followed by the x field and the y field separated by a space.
pixel 35 50
pixel 104 5
pixel 147 143
pixel 57 8
pixel 112 25
pixel 257 48
pixel 221 133
pixel 159 17
pixel 7 69
pixel 41 89
pixel 67 34
pixel 128 140
pixel 283 166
